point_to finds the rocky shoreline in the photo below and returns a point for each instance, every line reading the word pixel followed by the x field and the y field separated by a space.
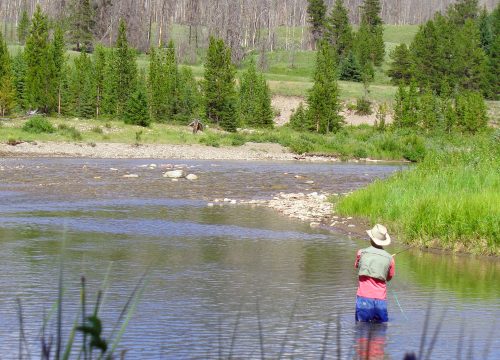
pixel 314 208
pixel 248 151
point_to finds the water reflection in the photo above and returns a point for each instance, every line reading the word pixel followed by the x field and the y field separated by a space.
pixel 211 266
pixel 370 341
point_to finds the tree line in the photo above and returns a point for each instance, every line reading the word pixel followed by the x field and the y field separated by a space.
pixel 243 24
pixel 108 83
pixel 452 63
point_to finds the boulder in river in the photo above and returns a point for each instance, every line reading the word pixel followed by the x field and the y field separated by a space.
pixel 191 177
pixel 130 176
pixel 174 174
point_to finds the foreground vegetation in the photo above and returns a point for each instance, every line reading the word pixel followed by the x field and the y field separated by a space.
pixel 450 200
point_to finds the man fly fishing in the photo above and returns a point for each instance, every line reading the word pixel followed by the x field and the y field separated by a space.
pixel 375 267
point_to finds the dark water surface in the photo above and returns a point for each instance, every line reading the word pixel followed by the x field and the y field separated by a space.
pixel 218 274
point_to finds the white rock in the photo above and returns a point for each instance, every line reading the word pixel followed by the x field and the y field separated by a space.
pixel 349 217
pixel 174 174
pixel 130 176
pixel 226 200
pixel 152 166
pixel 191 177
pixel 309 182
pixel 233 201
pixel 175 179
pixel 210 204
pixel 113 169
pixel 351 225
pixel 314 224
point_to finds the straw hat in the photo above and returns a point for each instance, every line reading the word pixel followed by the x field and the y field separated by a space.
pixel 379 235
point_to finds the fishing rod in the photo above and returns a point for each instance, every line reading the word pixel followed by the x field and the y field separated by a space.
pixel 399 252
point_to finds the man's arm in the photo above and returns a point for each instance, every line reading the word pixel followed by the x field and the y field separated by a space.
pixel 358 256
pixel 392 270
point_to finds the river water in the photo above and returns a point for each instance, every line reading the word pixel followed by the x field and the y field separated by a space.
pixel 223 281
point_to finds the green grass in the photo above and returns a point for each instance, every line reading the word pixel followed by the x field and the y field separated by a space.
pixel 351 142
pixel 450 200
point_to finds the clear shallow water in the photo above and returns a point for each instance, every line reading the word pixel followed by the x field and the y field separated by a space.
pixel 218 274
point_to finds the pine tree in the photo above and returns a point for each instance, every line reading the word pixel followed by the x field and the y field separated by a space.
pixel 218 86
pixel 338 30
pixel 406 107
pixel 350 69
pixel 463 10
pixel 471 112
pixel 265 110
pixel 37 91
pixel 7 95
pixel 492 85
pixel 370 18
pixel 428 111
pixel 316 10
pixel 125 69
pixel 56 66
pixel 82 24
pixel 136 109
pixel 164 84
pixel 363 53
pixel 323 98
pixel 486 30
pixel 171 82
pixel 424 56
pixel 82 87
pixel 299 119
pixel 400 67
pixel 470 59
pixel 255 100
pixel 23 26
pixel 100 77
pixel 109 91
pixel 19 78
pixel 7 90
pixel 5 61
pixel 155 84
pixel 189 98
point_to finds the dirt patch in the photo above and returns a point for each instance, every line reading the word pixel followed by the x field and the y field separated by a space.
pixel 286 105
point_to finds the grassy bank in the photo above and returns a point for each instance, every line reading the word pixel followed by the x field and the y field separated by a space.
pixel 352 142
pixel 450 200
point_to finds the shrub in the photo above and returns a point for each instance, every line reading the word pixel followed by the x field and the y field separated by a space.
pixel 69 131
pixel 237 139
pixel 301 146
pixel 363 106
pixel 38 125
pixel 210 140
pixel 97 130
pixel 360 153
pixel 414 148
